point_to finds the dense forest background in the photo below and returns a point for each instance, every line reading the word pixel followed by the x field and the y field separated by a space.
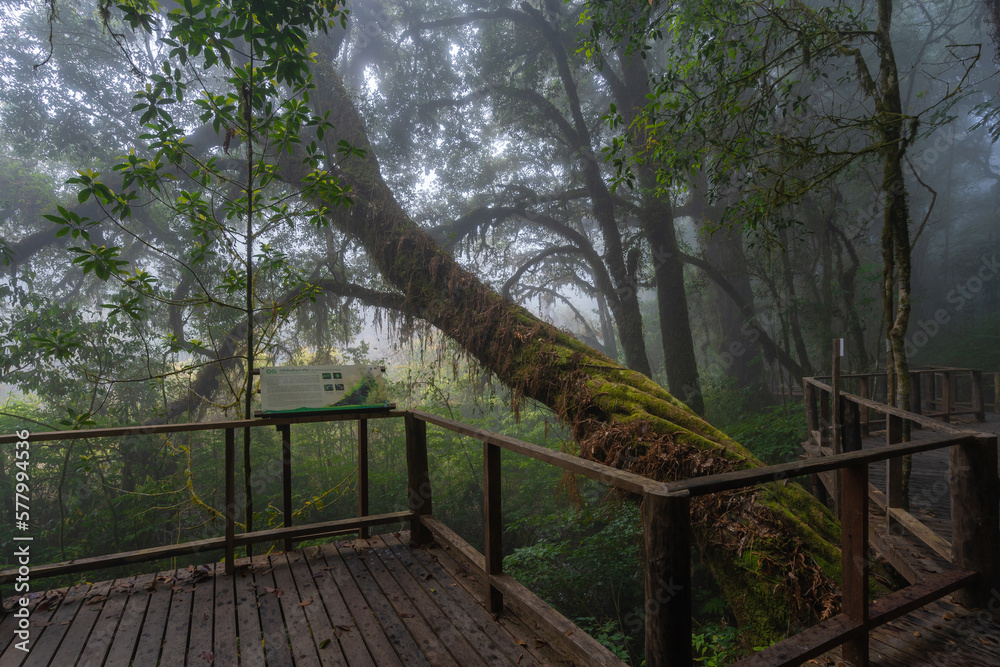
pixel 705 193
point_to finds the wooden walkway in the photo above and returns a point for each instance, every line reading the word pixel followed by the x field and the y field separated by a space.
pixel 364 602
pixel 942 634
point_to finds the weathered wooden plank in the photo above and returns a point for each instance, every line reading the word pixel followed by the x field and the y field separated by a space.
pixel 178 625
pixel 405 646
pixel 460 646
pixel 79 631
pixel 562 633
pixel 147 648
pixel 445 535
pixel 319 626
pixel 362 639
pixel 225 645
pixel 45 647
pixel 41 612
pixel 127 634
pixel 107 622
pixel 468 616
pixel 469 578
pixel 606 474
pixel 247 615
pixel 431 645
pixel 202 617
pixel 271 626
pixel 303 648
pixel 932 540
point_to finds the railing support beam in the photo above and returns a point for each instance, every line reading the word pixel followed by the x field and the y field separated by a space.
pixel 854 559
pixel 363 474
pixel 666 520
pixel 286 478
pixel 975 517
pixel 418 485
pixel 230 499
pixel 493 522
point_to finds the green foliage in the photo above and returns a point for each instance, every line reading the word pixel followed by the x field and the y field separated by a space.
pixel 771 433
pixel 587 563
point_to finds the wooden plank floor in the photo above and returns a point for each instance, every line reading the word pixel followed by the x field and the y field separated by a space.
pixel 942 634
pixel 364 602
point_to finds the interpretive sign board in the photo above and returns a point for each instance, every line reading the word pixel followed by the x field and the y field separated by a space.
pixel 286 389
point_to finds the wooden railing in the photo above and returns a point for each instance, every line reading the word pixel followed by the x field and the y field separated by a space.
pixel 943 392
pixel 667 533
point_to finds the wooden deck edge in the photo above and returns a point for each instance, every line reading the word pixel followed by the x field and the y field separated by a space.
pixel 808 644
pixel 562 633
pixel 306 531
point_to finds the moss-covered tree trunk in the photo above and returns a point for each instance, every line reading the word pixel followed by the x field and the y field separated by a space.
pixel 772 549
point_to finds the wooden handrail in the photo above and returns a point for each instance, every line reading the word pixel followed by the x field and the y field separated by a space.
pixel 153 429
pixel 700 486
pixel 619 479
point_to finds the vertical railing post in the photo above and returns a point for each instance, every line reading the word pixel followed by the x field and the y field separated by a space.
pixel 286 478
pixel 975 517
pixel 978 404
pixel 363 474
pixel 854 560
pixel 916 402
pixel 812 418
pixel 948 395
pixel 493 523
pixel 864 391
pixel 850 426
pixel 418 484
pixel 824 413
pixel 666 531
pixel 230 499
pixel 893 468
pixel 996 393
pixel 835 399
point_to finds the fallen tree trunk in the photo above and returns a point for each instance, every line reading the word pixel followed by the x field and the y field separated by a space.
pixel 771 549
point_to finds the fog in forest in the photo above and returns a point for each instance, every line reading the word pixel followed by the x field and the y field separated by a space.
pixel 705 194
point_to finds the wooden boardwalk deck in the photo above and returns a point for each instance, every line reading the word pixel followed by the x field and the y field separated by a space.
pixel 364 602
pixel 942 634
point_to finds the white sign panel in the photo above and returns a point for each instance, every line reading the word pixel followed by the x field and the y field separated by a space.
pixel 321 388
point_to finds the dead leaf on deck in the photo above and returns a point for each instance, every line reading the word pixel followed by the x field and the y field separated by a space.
pixel 305 602
pixel 97 598
pixel 208 656
pixel 324 643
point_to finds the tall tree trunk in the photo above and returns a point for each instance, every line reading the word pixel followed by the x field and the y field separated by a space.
pixel 763 545
pixel 656 218
pixel 896 225
pixel 737 343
